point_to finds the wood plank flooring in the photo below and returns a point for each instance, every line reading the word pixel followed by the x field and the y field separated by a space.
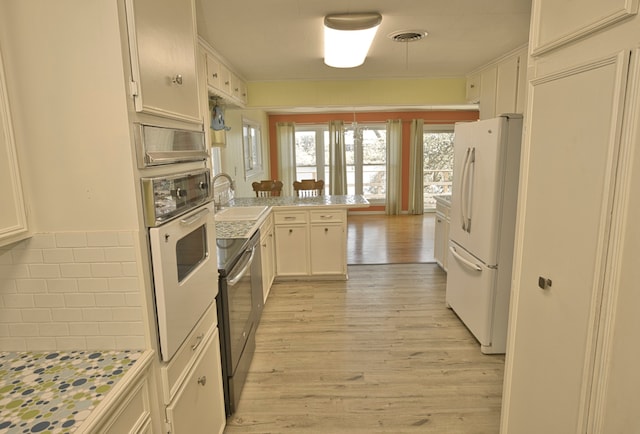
pixel 382 239
pixel 378 353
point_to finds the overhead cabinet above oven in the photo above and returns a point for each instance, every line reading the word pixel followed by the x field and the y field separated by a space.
pixel 162 48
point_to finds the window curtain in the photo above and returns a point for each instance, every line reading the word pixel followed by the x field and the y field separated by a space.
pixel 337 159
pixel 394 167
pixel 416 167
pixel 286 137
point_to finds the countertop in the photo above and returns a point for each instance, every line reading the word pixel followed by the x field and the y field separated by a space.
pixel 245 228
pixel 443 199
pixel 57 391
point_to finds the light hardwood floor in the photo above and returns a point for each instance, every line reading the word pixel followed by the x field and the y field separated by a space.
pixel 379 353
pixel 382 239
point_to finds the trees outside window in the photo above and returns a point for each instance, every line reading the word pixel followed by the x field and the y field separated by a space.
pixel 437 163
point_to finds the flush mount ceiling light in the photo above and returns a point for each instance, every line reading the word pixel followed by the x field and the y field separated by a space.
pixel 347 38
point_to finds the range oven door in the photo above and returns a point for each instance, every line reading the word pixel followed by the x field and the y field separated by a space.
pixel 185 272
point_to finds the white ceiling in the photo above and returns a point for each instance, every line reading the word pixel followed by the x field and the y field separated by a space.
pixel 282 39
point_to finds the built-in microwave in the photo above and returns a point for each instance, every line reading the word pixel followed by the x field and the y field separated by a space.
pixel 156 145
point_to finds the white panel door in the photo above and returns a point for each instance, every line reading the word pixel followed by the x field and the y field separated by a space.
pixel 570 156
pixel 475 200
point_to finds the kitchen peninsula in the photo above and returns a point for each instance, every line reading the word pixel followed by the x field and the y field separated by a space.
pixel 301 237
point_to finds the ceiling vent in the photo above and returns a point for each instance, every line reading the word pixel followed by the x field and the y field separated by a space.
pixel 407 35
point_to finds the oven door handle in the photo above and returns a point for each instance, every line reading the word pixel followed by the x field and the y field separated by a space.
pixel 233 279
pixel 194 218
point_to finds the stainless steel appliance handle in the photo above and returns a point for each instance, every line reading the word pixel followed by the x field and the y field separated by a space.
pixel 234 278
pixel 194 218
pixel 464 261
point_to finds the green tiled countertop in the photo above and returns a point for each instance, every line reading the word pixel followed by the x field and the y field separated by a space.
pixel 55 392
pixel 245 228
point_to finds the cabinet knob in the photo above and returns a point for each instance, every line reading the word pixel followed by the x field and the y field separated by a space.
pixel 290 231
pixel 177 79
pixel 202 380
pixel 326 229
pixel 544 282
pixel 214 75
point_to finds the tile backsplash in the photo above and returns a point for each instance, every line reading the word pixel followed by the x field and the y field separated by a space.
pixel 71 291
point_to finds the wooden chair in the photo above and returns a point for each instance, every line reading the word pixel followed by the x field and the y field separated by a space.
pixel 267 188
pixel 309 187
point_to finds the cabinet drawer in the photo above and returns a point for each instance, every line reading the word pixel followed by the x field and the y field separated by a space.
pixel 332 216
pixel 443 210
pixel 287 218
pixel 174 371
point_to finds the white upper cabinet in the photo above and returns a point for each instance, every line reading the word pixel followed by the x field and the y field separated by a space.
pixel 13 219
pixel 163 43
pixel 555 24
pixel 500 86
pixel 222 80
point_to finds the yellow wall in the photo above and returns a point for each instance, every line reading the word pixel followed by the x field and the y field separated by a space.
pixel 350 93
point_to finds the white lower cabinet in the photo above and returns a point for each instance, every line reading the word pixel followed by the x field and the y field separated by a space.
pixel 192 382
pixel 198 406
pixel 267 248
pixel 441 235
pixel 311 243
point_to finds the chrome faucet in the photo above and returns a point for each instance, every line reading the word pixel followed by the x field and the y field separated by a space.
pixel 223 175
pixel 217 205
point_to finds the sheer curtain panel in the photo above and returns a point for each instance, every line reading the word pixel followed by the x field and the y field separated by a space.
pixel 286 136
pixel 416 164
pixel 337 159
pixel 394 167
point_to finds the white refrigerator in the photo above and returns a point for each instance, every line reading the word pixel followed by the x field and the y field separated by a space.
pixel 483 213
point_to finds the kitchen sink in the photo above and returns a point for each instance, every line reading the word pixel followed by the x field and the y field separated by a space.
pixel 241 213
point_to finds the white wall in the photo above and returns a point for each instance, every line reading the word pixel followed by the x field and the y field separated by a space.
pixel 232 153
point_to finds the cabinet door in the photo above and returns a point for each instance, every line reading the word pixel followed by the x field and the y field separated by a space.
pixel 568 165
pixel 213 72
pixel 292 250
pixel 268 262
pixel 328 249
pixel 13 220
pixel 198 407
pixel 473 88
pixel 507 85
pixel 488 83
pixel 163 57
pixel 439 242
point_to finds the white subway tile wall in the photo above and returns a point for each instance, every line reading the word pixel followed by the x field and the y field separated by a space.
pixel 71 291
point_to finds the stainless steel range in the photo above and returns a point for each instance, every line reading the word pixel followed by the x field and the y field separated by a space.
pixel 239 303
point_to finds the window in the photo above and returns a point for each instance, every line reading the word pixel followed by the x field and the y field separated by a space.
pixel 366 146
pixel 312 153
pixel 252 148
pixel 365 156
pixel 438 162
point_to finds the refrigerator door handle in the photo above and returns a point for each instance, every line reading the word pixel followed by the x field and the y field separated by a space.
pixel 463 192
pixel 463 261
pixel 470 182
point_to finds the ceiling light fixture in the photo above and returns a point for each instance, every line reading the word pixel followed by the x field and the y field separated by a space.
pixel 347 38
